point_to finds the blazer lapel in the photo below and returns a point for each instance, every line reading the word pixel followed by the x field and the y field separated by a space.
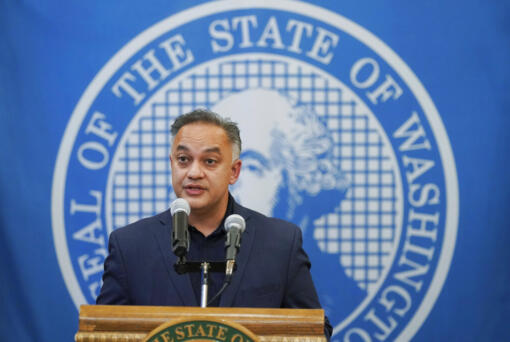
pixel 227 298
pixel 181 282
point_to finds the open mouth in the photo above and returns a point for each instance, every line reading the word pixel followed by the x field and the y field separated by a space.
pixel 193 189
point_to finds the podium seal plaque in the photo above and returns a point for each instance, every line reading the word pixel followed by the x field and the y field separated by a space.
pixel 198 330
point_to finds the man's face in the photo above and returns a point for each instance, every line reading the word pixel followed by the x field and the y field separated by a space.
pixel 202 167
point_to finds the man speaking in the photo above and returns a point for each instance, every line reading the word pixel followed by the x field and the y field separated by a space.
pixel 273 271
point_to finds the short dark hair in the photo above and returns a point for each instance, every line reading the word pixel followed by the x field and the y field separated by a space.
pixel 207 116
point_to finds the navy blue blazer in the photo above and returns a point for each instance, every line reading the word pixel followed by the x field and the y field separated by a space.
pixel 273 270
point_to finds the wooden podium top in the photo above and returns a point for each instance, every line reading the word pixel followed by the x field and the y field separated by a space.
pixel 133 323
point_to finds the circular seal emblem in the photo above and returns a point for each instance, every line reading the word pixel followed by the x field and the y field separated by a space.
pixel 339 137
pixel 199 330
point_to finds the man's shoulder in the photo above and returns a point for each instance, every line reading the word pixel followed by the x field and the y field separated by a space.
pixel 140 228
pixel 263 223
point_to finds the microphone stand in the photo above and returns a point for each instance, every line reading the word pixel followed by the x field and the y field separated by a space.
pixel 235 225
pixel 182 266
pixel 205 284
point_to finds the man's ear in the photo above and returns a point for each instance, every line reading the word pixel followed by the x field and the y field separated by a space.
pixel 236 171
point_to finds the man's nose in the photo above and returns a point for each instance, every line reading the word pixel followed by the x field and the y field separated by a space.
pixel 195 170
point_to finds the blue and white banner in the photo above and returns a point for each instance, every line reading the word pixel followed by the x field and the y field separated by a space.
pixel 380 128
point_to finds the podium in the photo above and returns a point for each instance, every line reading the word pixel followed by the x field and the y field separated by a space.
pixel 104 323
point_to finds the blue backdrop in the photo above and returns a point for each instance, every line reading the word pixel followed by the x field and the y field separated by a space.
pixel 55 53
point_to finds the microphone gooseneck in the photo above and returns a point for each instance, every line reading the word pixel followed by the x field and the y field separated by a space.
pixel 235 226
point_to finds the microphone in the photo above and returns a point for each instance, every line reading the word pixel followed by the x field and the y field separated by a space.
pixel 235 226
pixel 180 239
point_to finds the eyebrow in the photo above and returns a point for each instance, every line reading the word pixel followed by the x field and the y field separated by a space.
pixel 181 148
pixel 255 155
pixel 207 150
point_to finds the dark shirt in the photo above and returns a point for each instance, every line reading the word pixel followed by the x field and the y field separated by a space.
pixel 210 248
